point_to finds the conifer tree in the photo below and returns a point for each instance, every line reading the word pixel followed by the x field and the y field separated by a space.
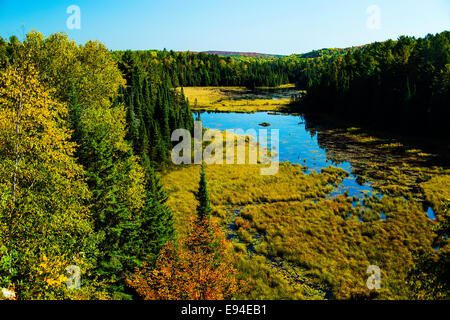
pixel 202 196
pixel 156 227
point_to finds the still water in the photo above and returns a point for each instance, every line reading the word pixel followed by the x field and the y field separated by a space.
pixel 297 144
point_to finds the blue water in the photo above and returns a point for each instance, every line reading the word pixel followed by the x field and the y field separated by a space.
pixel 296 144
pixel 431 213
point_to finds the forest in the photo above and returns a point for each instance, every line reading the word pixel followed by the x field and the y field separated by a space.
pixel 91 207
pixel 78 180
pixel 403 85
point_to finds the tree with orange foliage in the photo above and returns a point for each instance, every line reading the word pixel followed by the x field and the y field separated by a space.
pixel 200 266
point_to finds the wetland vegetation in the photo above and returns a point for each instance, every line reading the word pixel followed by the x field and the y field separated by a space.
pixel 312 230
pixel 240 99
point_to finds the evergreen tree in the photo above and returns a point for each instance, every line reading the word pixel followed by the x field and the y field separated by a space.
pixel 154 108
pixel 202 196
pixel 156 227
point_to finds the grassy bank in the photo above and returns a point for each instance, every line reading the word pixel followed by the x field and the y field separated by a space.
pixel 234 99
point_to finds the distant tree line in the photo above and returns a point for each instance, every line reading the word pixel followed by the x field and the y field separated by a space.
pixel 183 69
pixel 401 84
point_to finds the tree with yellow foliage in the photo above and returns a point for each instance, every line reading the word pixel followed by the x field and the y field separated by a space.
pixel 44 219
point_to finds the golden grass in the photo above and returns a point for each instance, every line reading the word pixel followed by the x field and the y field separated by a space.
pixel 323 237
pixel 337 249
pixel 323 241
pixel 240 185
pixel 437 192
pixel 230 99
pixel 235 186
pixel 283 86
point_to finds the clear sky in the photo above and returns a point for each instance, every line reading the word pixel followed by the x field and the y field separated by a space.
pixel 266 26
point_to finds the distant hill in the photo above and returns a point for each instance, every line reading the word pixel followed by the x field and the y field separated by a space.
pixel 326 52
pixel 243 54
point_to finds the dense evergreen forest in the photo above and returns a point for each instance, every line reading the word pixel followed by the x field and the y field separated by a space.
pixel 402 84
pixel 154 110
pixel 203 69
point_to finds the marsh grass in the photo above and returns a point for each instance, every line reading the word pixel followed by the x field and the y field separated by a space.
pixel 242 185
pixel 328 240
pixel 391 167
pixel 337 249
pixel 437 193
pixel 231 99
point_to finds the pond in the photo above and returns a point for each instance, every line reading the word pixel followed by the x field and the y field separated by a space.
pixel 297 144
pixel 306 142
pixel 380 166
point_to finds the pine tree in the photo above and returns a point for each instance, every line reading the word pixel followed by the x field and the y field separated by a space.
pixel 156 187
pixel 156 227
pixel 116 181
pixel 202 196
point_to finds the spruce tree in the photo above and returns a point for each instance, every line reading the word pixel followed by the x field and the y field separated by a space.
pixel 156 220
pixel 202 196
pixel 156 227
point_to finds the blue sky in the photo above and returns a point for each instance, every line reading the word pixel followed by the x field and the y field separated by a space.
pixel 281 26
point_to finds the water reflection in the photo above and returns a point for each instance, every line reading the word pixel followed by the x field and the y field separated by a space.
pixel 309 142
pixel 298 143
pixel 431 213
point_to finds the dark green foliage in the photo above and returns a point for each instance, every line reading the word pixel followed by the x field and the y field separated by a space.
pixel 401 84
pixel 185 69
pixel 155 186
pixel 156 227
pixel 113 220
pixel 154 108
pixel 202 196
